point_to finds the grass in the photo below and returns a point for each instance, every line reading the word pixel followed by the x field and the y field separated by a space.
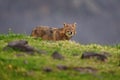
pixel 30 67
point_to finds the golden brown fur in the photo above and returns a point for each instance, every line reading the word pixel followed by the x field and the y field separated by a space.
pixel 55 34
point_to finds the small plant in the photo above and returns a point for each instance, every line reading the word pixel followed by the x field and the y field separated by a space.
pixel 10 31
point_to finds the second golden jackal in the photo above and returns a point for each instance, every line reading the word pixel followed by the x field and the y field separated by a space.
pixel 55 34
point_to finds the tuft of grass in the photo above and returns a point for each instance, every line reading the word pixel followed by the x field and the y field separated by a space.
pixel 30 67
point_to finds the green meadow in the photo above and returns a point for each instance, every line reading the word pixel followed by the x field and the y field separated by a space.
pixel 19 65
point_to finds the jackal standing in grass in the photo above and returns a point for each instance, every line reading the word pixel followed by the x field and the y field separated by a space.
pixel 55 34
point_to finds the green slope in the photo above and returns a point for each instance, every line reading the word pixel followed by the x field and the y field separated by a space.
pixel 17 65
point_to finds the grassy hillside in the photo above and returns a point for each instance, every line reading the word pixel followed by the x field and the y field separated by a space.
pixel 18 65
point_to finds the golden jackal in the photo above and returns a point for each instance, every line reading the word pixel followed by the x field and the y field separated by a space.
pixel 55 34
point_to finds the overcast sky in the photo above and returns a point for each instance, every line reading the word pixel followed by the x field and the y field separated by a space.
pixel 98 21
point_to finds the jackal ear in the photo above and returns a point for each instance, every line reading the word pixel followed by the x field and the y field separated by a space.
pixel 64 24
pixel 74 24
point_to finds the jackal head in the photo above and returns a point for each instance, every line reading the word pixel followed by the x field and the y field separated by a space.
pixel 69 29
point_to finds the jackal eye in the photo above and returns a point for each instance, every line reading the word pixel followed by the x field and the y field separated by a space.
pixel 69 32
